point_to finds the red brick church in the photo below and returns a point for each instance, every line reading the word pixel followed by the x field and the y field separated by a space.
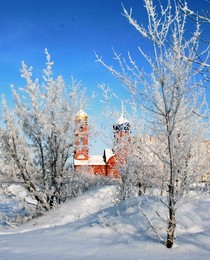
pixel 105 164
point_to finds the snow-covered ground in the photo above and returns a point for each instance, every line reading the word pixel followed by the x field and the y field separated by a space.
pixel 91 227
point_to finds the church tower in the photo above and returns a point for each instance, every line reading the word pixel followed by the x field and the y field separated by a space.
pixel 81 136
pixel 121 137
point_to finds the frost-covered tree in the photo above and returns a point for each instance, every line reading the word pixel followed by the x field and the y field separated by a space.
pixel 173 102
pixel 202 16
pixel 37 135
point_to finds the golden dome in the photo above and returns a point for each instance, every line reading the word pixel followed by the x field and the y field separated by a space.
pixel 81 115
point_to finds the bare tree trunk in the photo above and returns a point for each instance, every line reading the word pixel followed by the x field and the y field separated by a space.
pixel 172 219
pixel 171 201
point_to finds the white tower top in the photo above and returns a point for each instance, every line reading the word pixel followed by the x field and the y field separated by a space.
pixel 122 123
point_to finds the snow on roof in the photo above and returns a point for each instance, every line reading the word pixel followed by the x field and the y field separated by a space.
pixel 108 154
pixel 92 160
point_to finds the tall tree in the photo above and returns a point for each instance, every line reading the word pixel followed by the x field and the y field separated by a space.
pixel 37 136
pixel 172 99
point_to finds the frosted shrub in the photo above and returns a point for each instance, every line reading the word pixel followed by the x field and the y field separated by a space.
pixel 37 134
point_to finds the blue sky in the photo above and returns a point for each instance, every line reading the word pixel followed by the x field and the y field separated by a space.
pixel 71 30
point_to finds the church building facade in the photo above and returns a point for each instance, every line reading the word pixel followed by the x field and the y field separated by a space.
pixel 106 164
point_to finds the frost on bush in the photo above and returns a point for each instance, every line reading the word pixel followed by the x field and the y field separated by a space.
pixel 106 220
pixel 76 184
pixel 12 212
pixel 37 135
